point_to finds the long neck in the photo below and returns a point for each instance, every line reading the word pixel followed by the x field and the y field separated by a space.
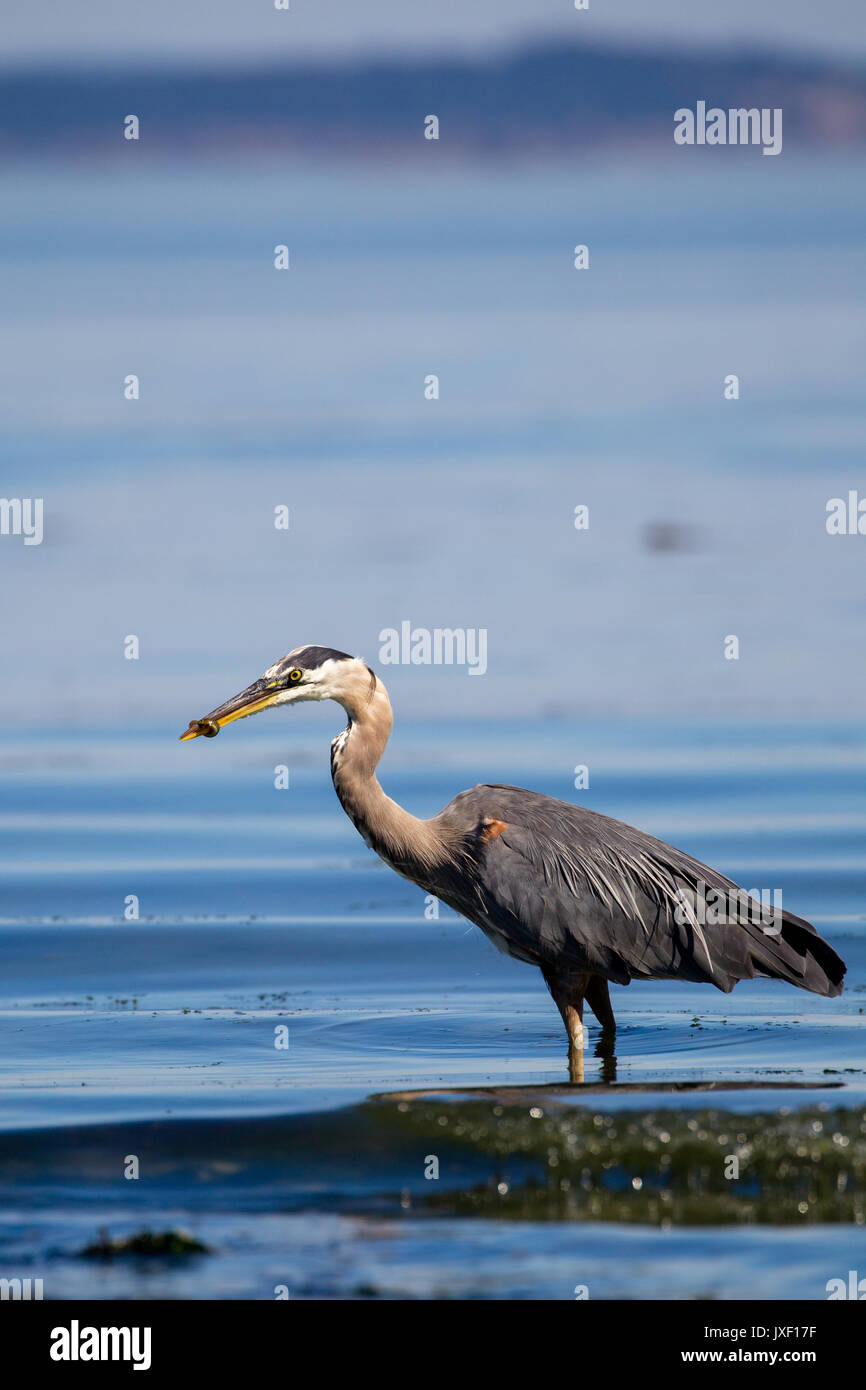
pixel 411 846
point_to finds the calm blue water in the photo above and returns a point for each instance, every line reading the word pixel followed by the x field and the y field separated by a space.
pixel 262 908
pixel 558 388
pixel 259 909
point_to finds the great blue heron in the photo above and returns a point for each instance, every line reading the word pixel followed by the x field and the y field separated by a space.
pixel 585 898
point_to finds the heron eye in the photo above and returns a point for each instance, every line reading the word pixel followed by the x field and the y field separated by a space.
pixel 294 676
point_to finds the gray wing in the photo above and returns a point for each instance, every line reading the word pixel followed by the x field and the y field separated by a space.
pixel 568 888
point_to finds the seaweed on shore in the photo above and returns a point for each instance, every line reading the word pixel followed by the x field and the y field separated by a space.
pixel 144 1243
pixel 660 1167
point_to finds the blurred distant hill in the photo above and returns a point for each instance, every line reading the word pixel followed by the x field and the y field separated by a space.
pixel 564 97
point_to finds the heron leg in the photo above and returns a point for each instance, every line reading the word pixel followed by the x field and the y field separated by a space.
pixel 568 994
pixel 598 998
pixel 572 1016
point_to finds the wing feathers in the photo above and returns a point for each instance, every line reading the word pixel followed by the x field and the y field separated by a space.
pixel 567 886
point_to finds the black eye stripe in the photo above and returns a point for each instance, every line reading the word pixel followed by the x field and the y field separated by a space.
pixel 309 658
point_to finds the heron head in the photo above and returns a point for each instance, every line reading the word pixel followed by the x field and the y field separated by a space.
pixel 307 673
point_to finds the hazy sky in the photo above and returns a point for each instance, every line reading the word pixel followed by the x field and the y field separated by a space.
pixel 207 30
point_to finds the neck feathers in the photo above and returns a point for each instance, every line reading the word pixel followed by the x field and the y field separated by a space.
pixel 409 845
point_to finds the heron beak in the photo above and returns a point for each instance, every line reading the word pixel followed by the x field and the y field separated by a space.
pixel 256 696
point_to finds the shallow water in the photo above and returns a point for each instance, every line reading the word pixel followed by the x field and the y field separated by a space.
pixel 262 908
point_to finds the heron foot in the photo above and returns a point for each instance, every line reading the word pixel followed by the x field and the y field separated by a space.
pixel 573 1018
pixel 575 1063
